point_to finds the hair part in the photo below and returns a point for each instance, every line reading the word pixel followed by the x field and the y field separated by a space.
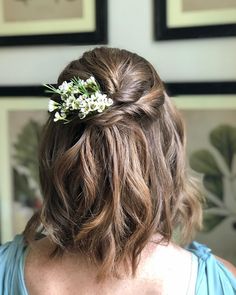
pixel 113 180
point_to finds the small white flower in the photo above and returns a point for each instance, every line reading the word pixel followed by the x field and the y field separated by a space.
pixel 109 102
pixel 75 105
pixel 64 87
pixel 98 94
pixel 93 107
pixel 83 104
pixel 79 99
pixel 52 105
pixel 91 80
pixel 82 82
pixel 82 115
pixel 101 107
pixel 93 97
pixel 75 90
pixel 69 102
pixel 100 97
pixel 59 117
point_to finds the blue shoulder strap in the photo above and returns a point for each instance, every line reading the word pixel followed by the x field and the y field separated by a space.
pixel 11 267
pixel 213 277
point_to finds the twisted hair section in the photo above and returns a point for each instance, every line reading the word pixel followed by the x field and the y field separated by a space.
pixel 113 180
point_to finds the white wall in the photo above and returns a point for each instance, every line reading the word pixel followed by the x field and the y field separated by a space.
pixel 130 26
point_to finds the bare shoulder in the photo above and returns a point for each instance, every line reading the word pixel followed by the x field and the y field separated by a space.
pixel 38 252
pixel 168 264
pixel 37 265
pixel 158 270
pixel 228 265
pixel 163 251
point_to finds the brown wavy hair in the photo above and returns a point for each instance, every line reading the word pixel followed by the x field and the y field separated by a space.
pixel 113 180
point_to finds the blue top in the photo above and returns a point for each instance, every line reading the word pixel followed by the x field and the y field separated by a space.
pixel 213 277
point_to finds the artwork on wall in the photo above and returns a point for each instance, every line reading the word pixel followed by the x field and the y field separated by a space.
pixel 25 22
pixel 182 19
pixel 21 121
pixel 211 150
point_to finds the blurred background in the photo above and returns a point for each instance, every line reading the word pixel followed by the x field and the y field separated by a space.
pixel 186 41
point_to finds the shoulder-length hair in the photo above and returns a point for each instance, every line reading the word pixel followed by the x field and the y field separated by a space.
pixel 113 180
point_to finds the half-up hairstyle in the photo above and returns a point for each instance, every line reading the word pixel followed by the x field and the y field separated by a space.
pixel 113 180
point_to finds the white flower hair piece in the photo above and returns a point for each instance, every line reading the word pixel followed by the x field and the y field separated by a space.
pixel 78 98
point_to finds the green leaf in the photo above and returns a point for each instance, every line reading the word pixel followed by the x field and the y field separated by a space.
pixel 22 192
pixel 214 184
pixel 204 162
pixel 223 138
pixel 26 147
pixel 208 203
pixel 211 221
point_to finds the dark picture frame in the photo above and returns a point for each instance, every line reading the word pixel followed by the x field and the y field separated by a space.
pixel 98 36
pixel 163 32
pixel 173 89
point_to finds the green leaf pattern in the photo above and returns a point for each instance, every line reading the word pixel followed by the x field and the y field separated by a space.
pixel 223 140
pixel 25 170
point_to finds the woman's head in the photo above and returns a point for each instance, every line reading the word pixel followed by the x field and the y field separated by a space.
pixel 113 180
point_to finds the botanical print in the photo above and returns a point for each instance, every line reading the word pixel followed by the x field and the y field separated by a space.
pixel 211 149
pixel 32 10
pixel 25 130
pixel 192 5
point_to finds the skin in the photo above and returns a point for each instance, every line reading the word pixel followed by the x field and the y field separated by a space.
pixel 162 270
pixel 229 265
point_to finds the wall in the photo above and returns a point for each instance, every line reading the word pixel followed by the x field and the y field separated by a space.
pixel 130 27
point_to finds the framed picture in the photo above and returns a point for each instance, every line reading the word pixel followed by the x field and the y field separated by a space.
pixel 184 19
pixel 21 120
pixel 31 22
pixel 211 149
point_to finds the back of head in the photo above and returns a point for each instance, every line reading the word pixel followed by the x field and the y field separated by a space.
pixel 114 179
